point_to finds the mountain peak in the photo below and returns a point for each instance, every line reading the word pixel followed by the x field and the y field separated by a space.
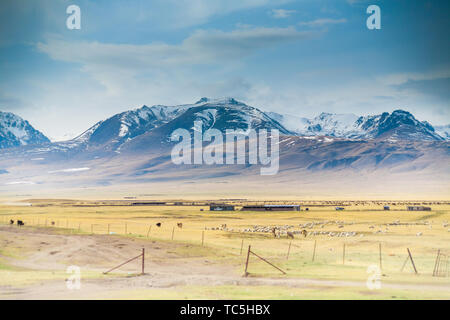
pixel 15 132
pixel 225 100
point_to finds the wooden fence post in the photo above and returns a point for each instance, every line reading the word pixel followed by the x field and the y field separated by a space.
pixel 148 231
pixel 246 262
pixel 143 260
pixel 314 251
pixel 436 263
pixel 173 230
pixel 379 246
pixel 289 250
pixel 412 261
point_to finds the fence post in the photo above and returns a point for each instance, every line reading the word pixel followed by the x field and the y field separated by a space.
pixel 173 230
pixel 143 260
pixel 203 237
pixel 436 263
pixel 148 232
pixel 289 250
pixel 412 261
pixel 246 262
pixel 379 246
pixel 314 250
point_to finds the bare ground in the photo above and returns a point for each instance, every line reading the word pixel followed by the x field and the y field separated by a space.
pixel 42 249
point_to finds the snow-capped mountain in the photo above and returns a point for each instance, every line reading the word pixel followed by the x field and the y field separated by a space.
pixel 147 127
pixel 443 131
pixel 220 114
pixel 127 125
pixel 399 125
pixel 223 114
pixel 15 131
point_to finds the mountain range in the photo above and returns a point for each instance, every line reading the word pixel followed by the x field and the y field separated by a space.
pixel 133 148
pixel 224 114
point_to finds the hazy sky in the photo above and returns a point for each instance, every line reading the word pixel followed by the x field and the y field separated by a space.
pixel 300 57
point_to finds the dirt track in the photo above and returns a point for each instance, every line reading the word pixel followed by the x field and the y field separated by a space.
pixel 43 249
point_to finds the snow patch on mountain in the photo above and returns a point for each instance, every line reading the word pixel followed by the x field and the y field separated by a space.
pixel 443 131
pixel 15 132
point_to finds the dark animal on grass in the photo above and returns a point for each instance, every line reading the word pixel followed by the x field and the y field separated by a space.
pixel 20 223
pixel 53 223
pixel 304 232
pixel 158 224
pixel 290 235
pixel 11 221
pixel 179 225
pixel 275 233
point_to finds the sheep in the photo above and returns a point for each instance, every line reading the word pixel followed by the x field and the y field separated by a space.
pixel 158 224
pixel 180 225
pixel 290 235
pixel 20 223
pixel 11 221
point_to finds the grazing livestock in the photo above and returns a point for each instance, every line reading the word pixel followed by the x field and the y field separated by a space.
pixel 20 223
pixel 11 221
pixel 276 232
pixel 179 225
pixel 53 223
pixel 290 235
pixel 158 224
pixel 304 233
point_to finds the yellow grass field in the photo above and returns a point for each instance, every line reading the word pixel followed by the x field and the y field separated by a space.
pixel 206 260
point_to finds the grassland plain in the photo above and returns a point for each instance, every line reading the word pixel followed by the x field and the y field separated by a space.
pixel 204 259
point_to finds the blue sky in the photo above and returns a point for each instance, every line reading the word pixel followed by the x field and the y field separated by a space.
pixel 298 57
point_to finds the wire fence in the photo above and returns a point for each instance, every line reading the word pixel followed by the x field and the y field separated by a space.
pixel 295 253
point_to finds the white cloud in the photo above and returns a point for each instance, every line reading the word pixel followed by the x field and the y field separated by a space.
pixel 69 170
pixel 321 22
pixel 402 78
pixel 281 13
pixel 115 65
pixel 202 47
